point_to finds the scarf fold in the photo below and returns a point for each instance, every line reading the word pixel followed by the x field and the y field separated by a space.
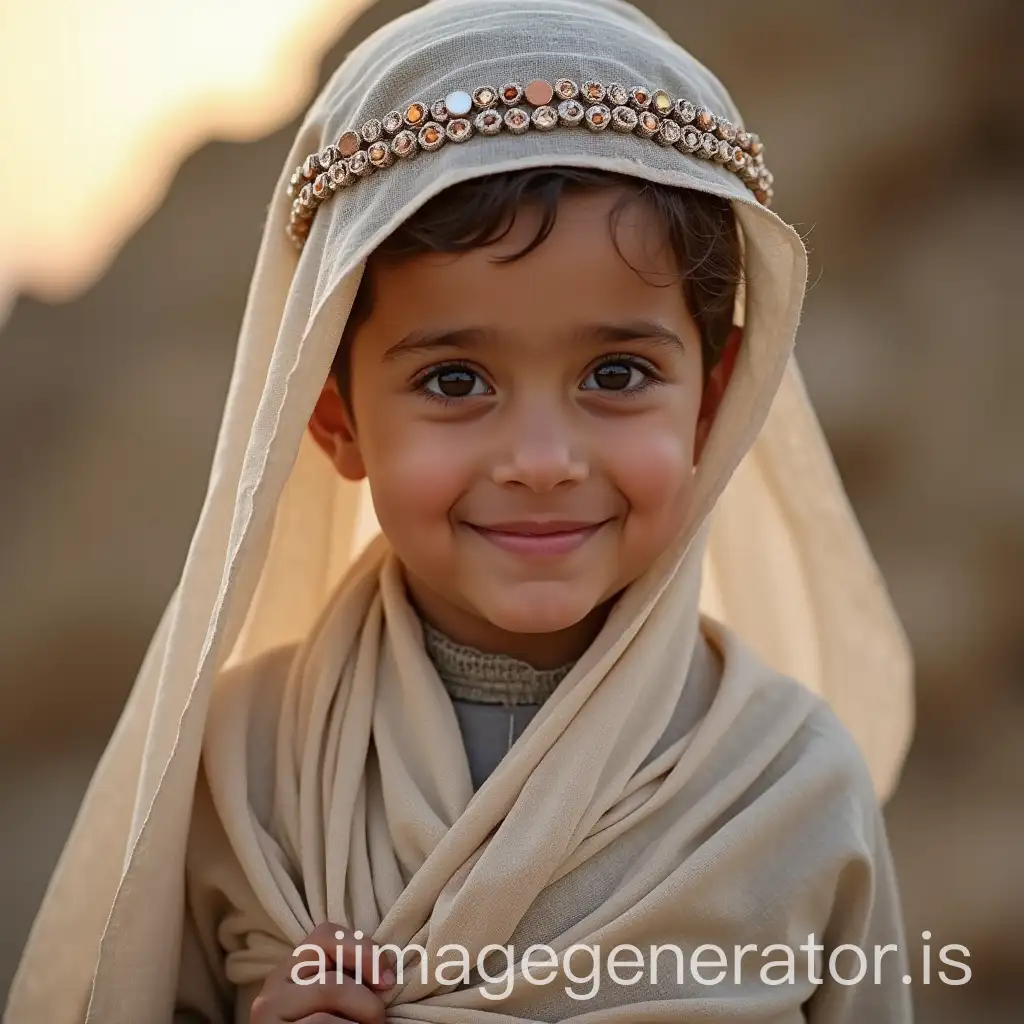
pixel 375 825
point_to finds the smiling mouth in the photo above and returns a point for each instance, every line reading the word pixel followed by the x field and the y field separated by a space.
pixel 539 540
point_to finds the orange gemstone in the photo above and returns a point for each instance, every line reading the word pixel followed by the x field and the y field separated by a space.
pixel 598 118
pixel 539 93
pixel 431 135
pixel 415 113
pixel 511 94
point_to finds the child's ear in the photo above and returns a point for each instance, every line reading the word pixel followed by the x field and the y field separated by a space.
pixel 333 430
pixel 714 390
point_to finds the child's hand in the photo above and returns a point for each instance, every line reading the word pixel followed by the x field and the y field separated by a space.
pixel 336 996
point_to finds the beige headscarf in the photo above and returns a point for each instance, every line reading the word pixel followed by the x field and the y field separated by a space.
pixel 397 844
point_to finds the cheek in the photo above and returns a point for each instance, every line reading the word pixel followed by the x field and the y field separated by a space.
pixel 652 468
pixel 416 475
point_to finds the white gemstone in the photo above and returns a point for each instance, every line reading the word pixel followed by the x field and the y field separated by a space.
pixel 458 103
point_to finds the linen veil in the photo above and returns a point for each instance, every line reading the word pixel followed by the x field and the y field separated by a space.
pixel 781 562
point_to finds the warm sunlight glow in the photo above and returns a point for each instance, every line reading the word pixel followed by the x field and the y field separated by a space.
pixel 101 100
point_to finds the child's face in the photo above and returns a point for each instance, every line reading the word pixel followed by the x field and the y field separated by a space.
pixel 529 430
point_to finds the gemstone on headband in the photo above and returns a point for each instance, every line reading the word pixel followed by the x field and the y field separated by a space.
pixel 624 119
pixel 327 156
pixel 414 114
pixel 539 93
pixel 339 173
pixel 618 95
pixel 459 129
pixel 380 155
pixel 705 120
pixel 359 163
pixel 517 120
pixel 349 143
pixel 662 102
pixel 566 89
pixel 404 144
pixel 685 111
pixel 640 98
pixel 570 113
pixel 725 130
pixel 598 117
pixel 647 124
pixel 372 130
pixel 544 118
pixel 690 140
pixel 432 136
pixel 485 97
pixel 458 103
pixel 669 133
pixel 488 122
pixel 691 129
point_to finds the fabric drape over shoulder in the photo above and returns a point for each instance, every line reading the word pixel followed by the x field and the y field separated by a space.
pixel 341 810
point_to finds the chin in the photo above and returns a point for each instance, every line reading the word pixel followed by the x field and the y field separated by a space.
pixel 538 607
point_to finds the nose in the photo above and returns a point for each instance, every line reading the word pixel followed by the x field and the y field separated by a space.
pixel 540 453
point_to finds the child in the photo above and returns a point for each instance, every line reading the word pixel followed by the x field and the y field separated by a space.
pixel 549 343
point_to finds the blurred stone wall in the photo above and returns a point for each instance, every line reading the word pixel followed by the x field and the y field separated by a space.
pixel 894 132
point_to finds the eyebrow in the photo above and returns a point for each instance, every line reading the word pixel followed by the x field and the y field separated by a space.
pixel 420 341
pixel 632 330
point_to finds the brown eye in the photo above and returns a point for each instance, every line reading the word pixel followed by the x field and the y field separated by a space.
pixel 613 376
pixel 616 375
pixel 454 382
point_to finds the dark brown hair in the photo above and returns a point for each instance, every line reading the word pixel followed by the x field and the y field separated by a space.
pixel 700 229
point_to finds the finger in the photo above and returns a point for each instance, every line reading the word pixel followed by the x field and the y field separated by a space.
pixel 335 993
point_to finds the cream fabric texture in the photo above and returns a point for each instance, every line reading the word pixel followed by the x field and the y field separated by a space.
pixel 332 781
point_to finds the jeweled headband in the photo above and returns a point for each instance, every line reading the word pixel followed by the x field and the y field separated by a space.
pixel 690 128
